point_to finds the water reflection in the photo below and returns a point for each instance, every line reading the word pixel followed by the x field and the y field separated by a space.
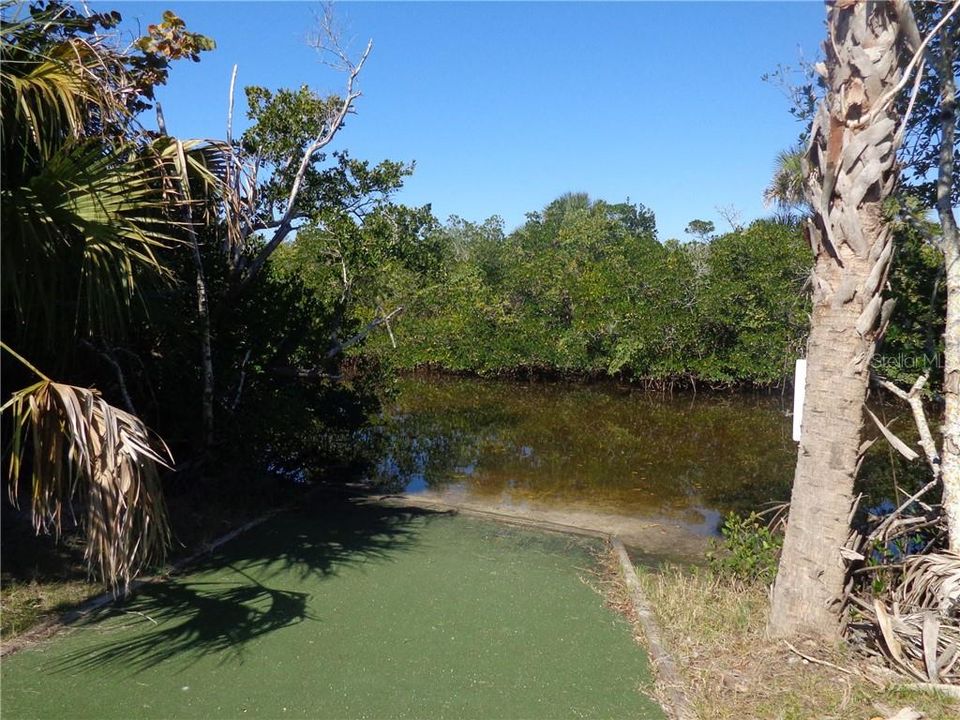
pixel 599 447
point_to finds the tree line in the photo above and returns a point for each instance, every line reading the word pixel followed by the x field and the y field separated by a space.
pixel 585 288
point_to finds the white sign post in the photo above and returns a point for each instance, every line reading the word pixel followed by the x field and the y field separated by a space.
pixel 799 386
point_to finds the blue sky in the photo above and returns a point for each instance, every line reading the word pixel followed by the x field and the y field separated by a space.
pixel 504 106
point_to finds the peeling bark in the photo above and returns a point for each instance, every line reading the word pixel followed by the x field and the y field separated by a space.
pixel 851 166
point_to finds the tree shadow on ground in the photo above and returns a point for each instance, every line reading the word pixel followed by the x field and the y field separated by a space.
pixel 187 620
pixel 321 538
pixel 212 612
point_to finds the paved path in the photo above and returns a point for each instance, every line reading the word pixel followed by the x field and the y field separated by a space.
pixel 351 612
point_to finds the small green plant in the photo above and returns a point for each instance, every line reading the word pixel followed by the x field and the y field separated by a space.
pixel 749 550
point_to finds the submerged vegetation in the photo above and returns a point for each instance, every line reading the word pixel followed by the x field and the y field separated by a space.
pixel 605 446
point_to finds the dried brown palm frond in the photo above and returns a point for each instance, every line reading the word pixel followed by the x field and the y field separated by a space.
pixel 920 644
pixel 81 446
pixel 915 626
pixel 931 582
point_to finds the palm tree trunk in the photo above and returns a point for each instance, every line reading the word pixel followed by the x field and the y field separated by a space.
pixel 851 170
pixel 950 468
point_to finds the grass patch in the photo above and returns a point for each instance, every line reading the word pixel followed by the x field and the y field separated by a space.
pixel 25 605
pixel 42 577
pixel 714 626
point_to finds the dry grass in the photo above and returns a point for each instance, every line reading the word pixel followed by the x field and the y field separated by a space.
pixel 40 577
pixel 23 605
pixel 715 629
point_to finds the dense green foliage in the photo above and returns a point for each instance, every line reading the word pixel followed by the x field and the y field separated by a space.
pixel 585 287
pixel 913 344
pixel 86 202
pixel 130 256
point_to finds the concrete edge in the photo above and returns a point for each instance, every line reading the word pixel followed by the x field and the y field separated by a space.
pixel 50 628
pixel 506 518
pixel 669 684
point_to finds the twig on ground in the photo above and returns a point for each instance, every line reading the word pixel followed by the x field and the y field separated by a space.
pixel 810 658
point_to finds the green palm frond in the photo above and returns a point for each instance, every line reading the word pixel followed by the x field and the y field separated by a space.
pixel 206 160
pixel 46 101
pixel 786 188
pixel 81 446
pixel 87 223
pixel 197 171
pixel 47 98
pixel 86 207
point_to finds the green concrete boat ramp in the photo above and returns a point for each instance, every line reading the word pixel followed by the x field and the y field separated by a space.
pixel 347 610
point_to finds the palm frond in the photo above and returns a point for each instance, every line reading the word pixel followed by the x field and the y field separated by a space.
pixel 81 447
pixel 50 97
pixel 786 188
pixel 203 163
pixel 931 581
pixel 87 224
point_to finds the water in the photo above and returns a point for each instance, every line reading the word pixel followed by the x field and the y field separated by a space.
pixel 599 448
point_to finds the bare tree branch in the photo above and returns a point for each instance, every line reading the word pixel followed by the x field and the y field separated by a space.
pixel 913 99
pixel 368 328
pixel 161 121
pixel 233 85
pixel 950 243
pixel 895 515
pixel 329 131
pixel 909 25
pixel 273 224
pixel 203 307
pixel 104 352
pixel 243 377
pixel 914 399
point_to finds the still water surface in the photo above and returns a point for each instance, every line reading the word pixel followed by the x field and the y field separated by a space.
pixel 600 448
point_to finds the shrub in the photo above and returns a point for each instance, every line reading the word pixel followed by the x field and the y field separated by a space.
pixel 749 550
